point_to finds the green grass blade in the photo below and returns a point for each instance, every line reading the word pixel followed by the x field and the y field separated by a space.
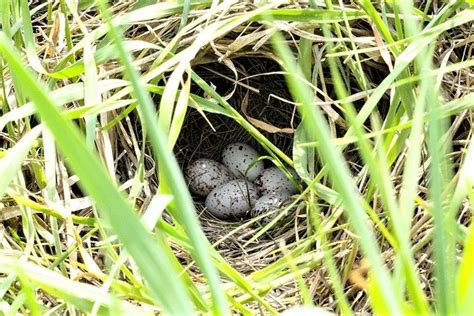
pixel 12 160
pixel 380 175
pixel 28 38
pixel 444 229
pixel 5 16
pixel 60 96
pixel 379 23
pixel 338 170
pixel 329 261
pixel 91 95
pixel 465 274
pixel 81 295
pixel 313 16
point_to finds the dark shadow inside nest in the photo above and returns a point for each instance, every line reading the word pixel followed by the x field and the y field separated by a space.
pixel 206 137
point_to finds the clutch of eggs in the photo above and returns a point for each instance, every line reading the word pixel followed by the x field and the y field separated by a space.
pixel 231 198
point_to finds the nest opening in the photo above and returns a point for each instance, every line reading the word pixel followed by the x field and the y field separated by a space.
pixel 263 87
pixel 267 99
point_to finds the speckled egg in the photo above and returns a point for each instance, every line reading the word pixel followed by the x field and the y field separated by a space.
pixel 203 175
pixel 268 203
pixel 274 180
pixel 238 157
pixel 232 200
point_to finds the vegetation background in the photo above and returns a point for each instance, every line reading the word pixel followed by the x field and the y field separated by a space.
pixel 104 102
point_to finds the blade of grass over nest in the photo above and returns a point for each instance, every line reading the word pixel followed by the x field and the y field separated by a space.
pixel 16 305
pixel 409 186
pixel 305 55
pixel 155 267
pixel 179 113
pixel 303 288
pixel 447 11
pixel 91 93
pixel 28 292
pixel 67 27
pixel 186 214
pixel 12 161
pixel 459 105
pixel 28 38
pixel 101 56
pixel 185 14
pixel 465 179
pixel 465 273
pixel 444 250
pixel 313 16
pixel 303 156
pixel 379 23
pixel 6 16
pixel 380 175
pixel 329 261
pixel 353 60
pixel 437 71
pixel 318 129
pixel 38 208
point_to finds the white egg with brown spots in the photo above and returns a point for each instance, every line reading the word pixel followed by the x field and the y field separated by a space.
pixel 238 157
pixel 232 200
pixel 204 175
pixel 274 180
pixel 269 204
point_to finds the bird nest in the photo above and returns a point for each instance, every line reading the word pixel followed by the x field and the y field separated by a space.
pixel 259 94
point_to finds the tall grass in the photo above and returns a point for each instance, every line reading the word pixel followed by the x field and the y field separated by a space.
pixel 412 165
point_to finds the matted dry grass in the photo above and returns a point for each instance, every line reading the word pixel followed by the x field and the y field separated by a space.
pixel 249 77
